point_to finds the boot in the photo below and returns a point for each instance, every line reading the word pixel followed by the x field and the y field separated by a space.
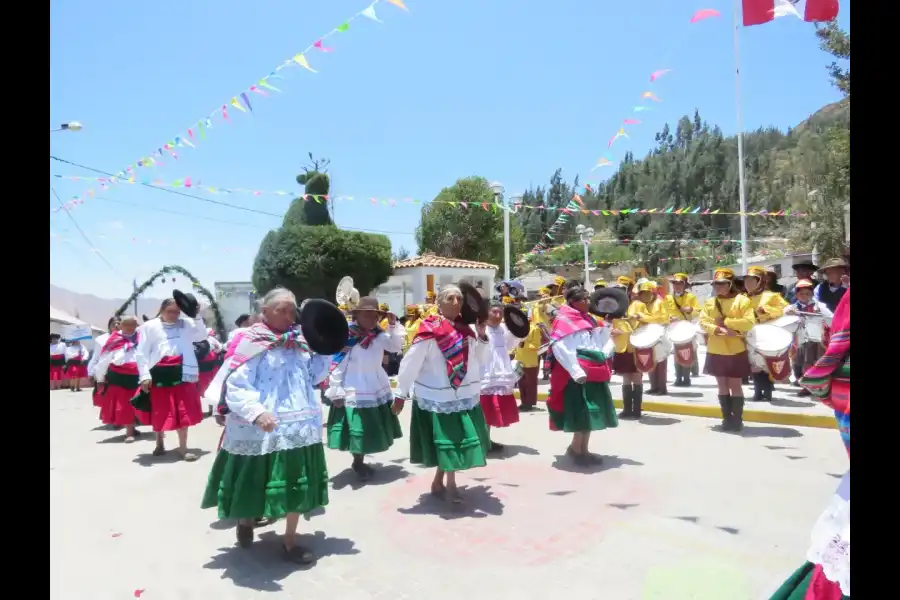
pixel 737 413
pixel 680 373
pixel 768 388
pixel 725 405
pixel 661 374
pixel 686 378
pixel 637 398
pixel 695 368
pixel 758 386
pixel 627 401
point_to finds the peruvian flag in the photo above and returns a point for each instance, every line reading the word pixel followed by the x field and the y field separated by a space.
pixel 757 12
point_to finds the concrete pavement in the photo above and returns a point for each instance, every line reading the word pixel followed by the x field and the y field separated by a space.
pixel 678 510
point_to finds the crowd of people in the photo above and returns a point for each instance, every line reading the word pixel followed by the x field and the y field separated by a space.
pixel 458 358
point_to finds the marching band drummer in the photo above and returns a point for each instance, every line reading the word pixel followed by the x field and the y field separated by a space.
pixel 682 305
pixel 649 308
pixel 624 362
pixel 809 351
pixel 725 318
pixel 767 306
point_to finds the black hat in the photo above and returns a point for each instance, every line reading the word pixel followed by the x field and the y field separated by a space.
pixel 141 400
pixel 609 302
pixel 243 317
pixel 474 305
pixel 187 303
pixel 516 321
pixel 575 292
pixel 324 326
pixel 805 263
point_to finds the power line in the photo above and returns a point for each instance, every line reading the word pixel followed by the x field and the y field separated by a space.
pixel 84 235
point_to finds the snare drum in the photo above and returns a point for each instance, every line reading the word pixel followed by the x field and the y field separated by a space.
pixel 769 347
pixel 683 336
pixel 814 329
pixel 650 346
pixel 789 322
pixel 518 369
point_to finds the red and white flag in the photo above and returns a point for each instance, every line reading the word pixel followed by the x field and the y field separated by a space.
pixel 757 12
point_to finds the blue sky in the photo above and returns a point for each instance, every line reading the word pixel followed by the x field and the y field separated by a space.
pixel 505 89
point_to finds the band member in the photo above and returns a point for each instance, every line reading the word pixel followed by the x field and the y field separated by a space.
pixel 116 374
pixel 272 462
pixel 57 361
pixel 682 305
pixel 826 574
pixel 441 374
pixel 803 270
pixel 429 308
pixel 772 282
pixel 725 318
pixel 556 289
pixel 624 363
pixel 580 401
pixel 361 419
pixel 168 369
pixel 767 306
pixel 807 352
pixel 76 364
pixel 626 283
pixel 412 324
pixel 836 284
pixel 498 380
pixel 599 284
pixel 210 363
pixel 649 308
pixel 527 355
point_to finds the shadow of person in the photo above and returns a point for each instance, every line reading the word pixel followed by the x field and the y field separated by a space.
pixel 657 420
pixel 383 474
pixel 262 566
pixel 171 456
pixel 769 431
pixel 478 502
pixel 565 463
pixel 510 450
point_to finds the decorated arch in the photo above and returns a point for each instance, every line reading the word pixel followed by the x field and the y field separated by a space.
pixel 173 271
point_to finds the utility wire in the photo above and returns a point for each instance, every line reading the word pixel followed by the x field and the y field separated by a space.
pixel 87 240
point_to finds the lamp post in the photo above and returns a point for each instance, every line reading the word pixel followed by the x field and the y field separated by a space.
pixel 586 233
pixel 70 126
pixel 506 206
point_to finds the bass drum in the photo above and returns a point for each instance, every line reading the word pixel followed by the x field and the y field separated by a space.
pixel 769 348
pixel 651 346
pixel 790 323
pixel 683 336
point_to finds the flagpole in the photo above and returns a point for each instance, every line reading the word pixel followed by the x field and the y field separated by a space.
pixel 740 133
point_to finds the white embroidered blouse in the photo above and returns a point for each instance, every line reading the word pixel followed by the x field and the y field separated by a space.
pixel 58 349
pixel 78 352
pixel 121 356
pixel 280 382
pixel 565 350
pixel 360 379
pixel 158 340
pixel 830 538
pixel 98 347
pixel 497 373
pixel 423 376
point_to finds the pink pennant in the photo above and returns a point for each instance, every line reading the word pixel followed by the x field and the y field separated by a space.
pixel 190 134
pixel 256 90
pixel 320 46
pixel 631 122
pixel 705 13
pixel 657 74
pixel 225 113
pixel 187 182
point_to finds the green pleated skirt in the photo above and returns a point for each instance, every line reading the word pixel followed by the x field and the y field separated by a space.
pixel 448 441
pixel 797 585
pixel 586 407
pixel 271 486
pixel 363 430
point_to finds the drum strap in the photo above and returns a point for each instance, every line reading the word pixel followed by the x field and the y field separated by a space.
pixel 719 308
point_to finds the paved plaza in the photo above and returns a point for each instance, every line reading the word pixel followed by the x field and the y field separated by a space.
pixel 678 510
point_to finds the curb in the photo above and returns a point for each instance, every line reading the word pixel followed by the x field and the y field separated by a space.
pixel 712 412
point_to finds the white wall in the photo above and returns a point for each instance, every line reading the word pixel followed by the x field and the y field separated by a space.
pixel 408 285
pixel 234 299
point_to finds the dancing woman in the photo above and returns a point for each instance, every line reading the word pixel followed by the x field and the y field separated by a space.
pixel 57 361
pixel 76 364
pixel 116 376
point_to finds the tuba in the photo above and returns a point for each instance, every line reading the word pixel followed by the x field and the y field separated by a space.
pixel 347 294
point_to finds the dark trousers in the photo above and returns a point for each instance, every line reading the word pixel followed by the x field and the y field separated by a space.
pixel 528 386
pixel 695 368
pixel 683 373
pixel 658 377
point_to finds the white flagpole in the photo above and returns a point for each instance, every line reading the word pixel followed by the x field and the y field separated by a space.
pixel 740 133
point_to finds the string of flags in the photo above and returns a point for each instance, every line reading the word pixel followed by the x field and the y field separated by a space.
pixel 240 102
pixel 723 258
pixel 651 242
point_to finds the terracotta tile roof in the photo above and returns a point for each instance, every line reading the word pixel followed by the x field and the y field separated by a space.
pixel 430 260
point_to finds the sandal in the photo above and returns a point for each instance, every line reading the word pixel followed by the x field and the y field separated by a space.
pixel 298 555
pixel 129 439
pixel 263 522
pixel 439 492
pixel 188 456
pixel 159 451
pixel 244 535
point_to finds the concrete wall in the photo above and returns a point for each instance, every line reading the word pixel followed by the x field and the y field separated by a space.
pixel 408 285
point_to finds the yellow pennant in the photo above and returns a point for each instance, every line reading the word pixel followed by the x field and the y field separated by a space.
pixel 237 105
pixel 301 60
pixel 399 4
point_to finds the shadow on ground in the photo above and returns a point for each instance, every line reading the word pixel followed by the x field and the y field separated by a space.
pixel 565 463
pixel 478 502
pixel 383 474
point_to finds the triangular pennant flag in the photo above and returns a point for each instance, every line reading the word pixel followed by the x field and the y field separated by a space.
pixel 464 204
pixel 320 46
pixel 234 102
pixel 301 60
pixel 370 12
pixel 669 210
pixel 485 206
pixel 342 27
pixel 246 100
pixel 399 4
pixel 267 85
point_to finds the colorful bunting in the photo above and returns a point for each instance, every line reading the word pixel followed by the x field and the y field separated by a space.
pixel 705 13
pixel 657 74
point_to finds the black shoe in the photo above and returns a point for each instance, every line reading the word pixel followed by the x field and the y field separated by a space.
pixel 803 393
pixel 527 408
pixel 686 381
pixel 495 447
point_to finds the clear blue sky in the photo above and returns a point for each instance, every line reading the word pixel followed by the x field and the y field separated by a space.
pixel 505 89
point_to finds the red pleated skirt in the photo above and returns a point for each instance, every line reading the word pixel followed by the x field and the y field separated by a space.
pixel 175 407
pixel 116 407
pixel 97 398
pixel 76 371
pixel 500 410
pixel 56 373
pixel 205 379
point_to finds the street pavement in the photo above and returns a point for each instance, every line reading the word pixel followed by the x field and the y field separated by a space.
pixel 678 510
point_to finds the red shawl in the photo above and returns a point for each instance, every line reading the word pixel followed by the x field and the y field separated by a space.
pixel 452 341
pixel 571 320
pixel 117 340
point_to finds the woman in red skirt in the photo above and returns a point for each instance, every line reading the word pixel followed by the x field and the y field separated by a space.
pixel 116 374
pixel 209 364
pixel 57 361
pixel 498 380
pixel 168 370
pixel 725 318
pixel 111 326
pixel 76 365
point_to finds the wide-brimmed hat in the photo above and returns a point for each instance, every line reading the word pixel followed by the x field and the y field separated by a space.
pixel 187 303
pixel 805 264
pixel 324 326
pixel 835 263
pixel 474 307
pixel 609 302
pixel 368 304
pixel 516 321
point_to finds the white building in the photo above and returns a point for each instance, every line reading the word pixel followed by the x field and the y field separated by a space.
pixel 235 298
pixel 414 276
pixel 60 321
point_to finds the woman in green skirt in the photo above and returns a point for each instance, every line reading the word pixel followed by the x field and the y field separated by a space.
pixel 271 463
pixel 441 372
pixel 361 419
pixel 580 402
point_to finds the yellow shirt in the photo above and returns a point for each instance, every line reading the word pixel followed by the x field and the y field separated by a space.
pixel 384 324
pixel 412 328
pixel 429 309
pixel 623 341
pixel 738 313
pixel 767 306
pixel 686 300
pixel 527 351
pixel 655 312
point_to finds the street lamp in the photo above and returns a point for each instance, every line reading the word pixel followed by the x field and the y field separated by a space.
pixel 586 233
pixel 70 126
pixel 506 205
